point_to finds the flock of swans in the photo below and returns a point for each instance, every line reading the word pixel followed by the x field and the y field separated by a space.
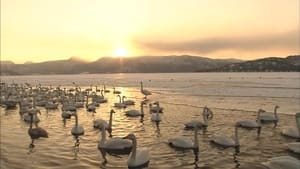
pixel 27 98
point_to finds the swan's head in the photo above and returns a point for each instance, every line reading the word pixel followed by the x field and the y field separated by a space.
pixel 298 114
pixel 261 111
pixel 101 126
pixel 124 97
pixel 276 107
pixel 130 136
pixel 112 111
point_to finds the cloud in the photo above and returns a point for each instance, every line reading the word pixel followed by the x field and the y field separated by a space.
pixel 287 40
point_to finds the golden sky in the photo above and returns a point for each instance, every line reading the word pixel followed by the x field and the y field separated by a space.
pixel 40 30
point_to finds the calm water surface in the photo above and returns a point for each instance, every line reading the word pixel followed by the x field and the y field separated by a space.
pixel 231 96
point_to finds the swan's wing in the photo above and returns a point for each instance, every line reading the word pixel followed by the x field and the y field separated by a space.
pixel 291 131
pixel 118 143
pixel 248 123
pixel 295 147
pixel 267 117
pixel 133 113
pixel 181 142
pixel 223 140
pixel 282 162
pixel 194 123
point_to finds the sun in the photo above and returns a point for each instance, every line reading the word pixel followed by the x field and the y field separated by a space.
pixel 120 52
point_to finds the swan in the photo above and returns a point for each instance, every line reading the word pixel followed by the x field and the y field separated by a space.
pixel 225 141
pixel 127 102
pixel 116 91
pixel 105 90
pixel 144 91
pixel 100 122
pixel 282 162
pixel 155 108
pixel 250 124
pixel 135 113
pixel 32 112
pixel 294 147
pixel 156 117
pixel 269 117
pixel 293 131
pixel 66 114
pixel 90 107
pixel 77 130
pixel 37 132
pixel 201 124
pixel 114 145
pixel 138 157
pixel 120 104
pixel 185 142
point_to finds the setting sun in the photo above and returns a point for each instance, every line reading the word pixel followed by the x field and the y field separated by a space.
pixel 120 52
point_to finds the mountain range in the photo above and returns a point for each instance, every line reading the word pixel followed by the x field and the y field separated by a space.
pixel 147 64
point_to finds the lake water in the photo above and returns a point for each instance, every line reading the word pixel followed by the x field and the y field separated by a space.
pixel 231 97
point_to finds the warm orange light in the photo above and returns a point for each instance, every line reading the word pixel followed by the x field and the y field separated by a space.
pixel 120 52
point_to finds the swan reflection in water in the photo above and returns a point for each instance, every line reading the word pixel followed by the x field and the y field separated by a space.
pixel 76 147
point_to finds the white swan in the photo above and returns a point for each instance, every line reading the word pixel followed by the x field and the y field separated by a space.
pixel 226 141
pixel 32 112
pixel 155 108
pixel 114 145
pixel 270 117
pixel 252 124
pixel 293 131
pixel 37 132
pixel 77 130
pixel 185 142
pixel 90 107
pixel 66 114
pixel 144 91
pixel 135 113
pixel 120 104
pixel 294 147
pixel 138 157
pixel 116 91
pixel 100 122
pixel 127 102
pixel 156 117
pixel 201 124
pixel 282 162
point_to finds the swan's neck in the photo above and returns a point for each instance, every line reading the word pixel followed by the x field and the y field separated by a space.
pixel 142 109
pixel 110 120
pixel 87 100
pixel 31 121
pixel 275 112
pixel 103 136
pixel 141 86
pixel 196 142
pixel 76 120
pixel 133 152
pixel 123 99
pixel 258 118
pixel 236 136
pixel 204 118
pixel 102 93
pixel 119 99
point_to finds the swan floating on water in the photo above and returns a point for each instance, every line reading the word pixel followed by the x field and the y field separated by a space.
pixel 120 104
pixel 99 123
pixel 136 113
pixel 182 142
pixel 139 157
pixel 293 131
pixel 282 162
pixel 37 132
pixel 252 124
pixel 200 124
pixel 154 109
pixel 114 145
pixel 270 117
pixel 226 141
pixel 77 130
pixel 144 91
